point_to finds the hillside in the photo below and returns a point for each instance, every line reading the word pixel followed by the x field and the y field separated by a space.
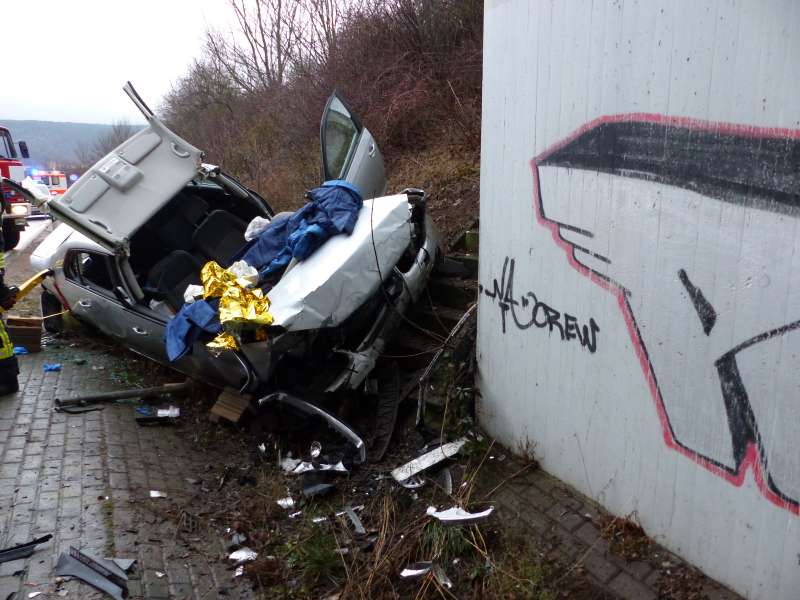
pixel 53 140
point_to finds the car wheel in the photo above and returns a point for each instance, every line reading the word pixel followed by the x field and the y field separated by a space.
pixel 10 234
pixel 51 305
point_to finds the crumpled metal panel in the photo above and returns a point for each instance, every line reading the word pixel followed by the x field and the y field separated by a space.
pixel 325 289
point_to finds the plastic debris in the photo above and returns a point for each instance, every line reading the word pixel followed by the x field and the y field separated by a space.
pixel 20 351
pixel 427 460
pixel 441 577
pixel 459 516
pixel 159 574
pixel 318 489
pixel 239 571
pixel 255 227
pixel 23 550
pixel 412 483
pixel 358 526
pixel 294 515
pixel 246 275
pixel 51 367
pixel 316 449
pixel 192 293
pixel 243 555
pixel 288 463
pixel 157 494
pixel 171 412
pixel 104 575
pixel 144 410
pixel 34 594
pixel 304 467
pixel 287 502
pixel 417 569
pixel 319 519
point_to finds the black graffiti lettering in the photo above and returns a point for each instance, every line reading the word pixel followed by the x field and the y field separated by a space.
pixel 527 310
pixel 590 335
pixel 571 328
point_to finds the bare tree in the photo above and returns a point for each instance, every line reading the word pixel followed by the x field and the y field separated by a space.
pixel 258 55
pixel 86 154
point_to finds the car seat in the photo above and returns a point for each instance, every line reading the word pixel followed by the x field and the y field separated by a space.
pixel 170 276
pixel 176 223
pixel 219 237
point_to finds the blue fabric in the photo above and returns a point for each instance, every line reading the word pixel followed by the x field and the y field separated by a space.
pixel 184 327
pixel 333 209
pixel 48 367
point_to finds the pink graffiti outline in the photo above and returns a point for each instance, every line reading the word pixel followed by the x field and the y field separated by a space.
pixel 750 461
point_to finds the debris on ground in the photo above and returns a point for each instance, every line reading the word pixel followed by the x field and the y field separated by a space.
pixel 428 460
pixel 23 550
pixel 102 574
pixel 458 516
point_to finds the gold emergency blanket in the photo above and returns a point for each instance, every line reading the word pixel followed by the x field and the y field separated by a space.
pixel 238 304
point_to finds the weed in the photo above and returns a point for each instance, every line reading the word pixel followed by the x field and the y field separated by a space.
pixel 315 559
pixel 440 542
pixel 626 536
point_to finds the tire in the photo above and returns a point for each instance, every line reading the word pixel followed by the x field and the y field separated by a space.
pixel 10 234
pixel 51 305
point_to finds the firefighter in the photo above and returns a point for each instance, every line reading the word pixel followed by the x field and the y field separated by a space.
pixel 9 369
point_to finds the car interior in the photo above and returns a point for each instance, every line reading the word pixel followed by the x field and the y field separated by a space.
pixel 202 222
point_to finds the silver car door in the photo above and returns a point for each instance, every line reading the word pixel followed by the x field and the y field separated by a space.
pixel 88 289
pixel 349 151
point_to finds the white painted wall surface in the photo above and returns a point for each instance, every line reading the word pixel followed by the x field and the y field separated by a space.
pixel 642 423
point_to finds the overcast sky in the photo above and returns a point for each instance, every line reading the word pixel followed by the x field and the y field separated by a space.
pixel 67 60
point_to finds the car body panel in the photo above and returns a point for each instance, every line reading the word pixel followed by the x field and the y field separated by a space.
pixel 324 289
pixel 349 151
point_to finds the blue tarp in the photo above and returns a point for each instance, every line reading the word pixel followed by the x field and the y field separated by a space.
pixel 183 328
pixel 333 209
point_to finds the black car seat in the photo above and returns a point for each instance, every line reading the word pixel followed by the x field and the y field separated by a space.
pixel 170 276
pixel 219 237
pixel 175 224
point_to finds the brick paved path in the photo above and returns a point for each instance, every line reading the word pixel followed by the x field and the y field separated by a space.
pixel 566 524
pixel 56 471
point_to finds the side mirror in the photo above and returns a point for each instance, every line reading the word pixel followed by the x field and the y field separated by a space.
pixel 23 150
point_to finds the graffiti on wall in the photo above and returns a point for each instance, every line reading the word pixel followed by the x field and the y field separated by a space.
pixel 695 228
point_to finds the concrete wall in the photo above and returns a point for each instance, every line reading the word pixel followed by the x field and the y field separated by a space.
pixel 640 266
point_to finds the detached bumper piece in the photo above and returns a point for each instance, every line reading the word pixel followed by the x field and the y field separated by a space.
pixel 313 410
pixel 23 550
pixel 104 575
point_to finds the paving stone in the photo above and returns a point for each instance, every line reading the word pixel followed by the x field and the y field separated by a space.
pixel 597 564
pixel 628 588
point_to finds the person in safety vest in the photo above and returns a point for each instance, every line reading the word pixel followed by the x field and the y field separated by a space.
pixel 9 368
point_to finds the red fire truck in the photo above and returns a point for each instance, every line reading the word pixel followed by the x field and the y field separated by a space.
pixel 15 207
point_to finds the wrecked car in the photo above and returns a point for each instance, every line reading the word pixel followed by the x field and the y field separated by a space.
pixel 139 227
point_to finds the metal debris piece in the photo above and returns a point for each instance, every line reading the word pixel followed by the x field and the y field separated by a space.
pixel 23 550
pixel 239 571
pixel 157 494
pixel 294 515
pixel 319 519
pixel 427 460
pixel 441 577
pixel 287 502
pixel 358 526
pixel 417 569
pixel 169 388
pixel 243 555
pixel 311 409
pixel 459 516
pixel 355 509
pixel 103 575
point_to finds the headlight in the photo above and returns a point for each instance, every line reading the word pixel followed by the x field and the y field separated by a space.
pixel 19 209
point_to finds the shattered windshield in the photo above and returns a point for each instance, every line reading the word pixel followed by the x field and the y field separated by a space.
pixel 6 145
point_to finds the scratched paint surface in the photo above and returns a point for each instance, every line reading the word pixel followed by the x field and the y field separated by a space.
pixel 640 266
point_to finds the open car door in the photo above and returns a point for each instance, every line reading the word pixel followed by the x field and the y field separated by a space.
pixel 125 188
pixel 349 151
